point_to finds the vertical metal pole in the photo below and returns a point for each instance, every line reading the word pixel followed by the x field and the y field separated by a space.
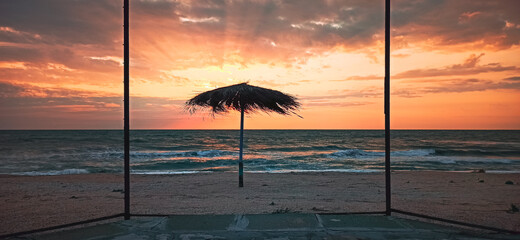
pixel 240 163
pixel 126 109
pixel 387 109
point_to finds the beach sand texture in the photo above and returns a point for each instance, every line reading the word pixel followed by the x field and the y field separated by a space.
pixel 30 202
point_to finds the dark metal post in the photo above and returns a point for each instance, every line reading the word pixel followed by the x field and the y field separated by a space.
pixel 126 108
pixel 387 109
pixel 240 163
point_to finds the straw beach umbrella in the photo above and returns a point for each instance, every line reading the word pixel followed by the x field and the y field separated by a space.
pixel 245 99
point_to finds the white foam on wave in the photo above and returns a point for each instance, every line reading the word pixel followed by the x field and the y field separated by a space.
pixel 52 173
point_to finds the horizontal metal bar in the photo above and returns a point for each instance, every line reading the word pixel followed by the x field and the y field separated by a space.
pixel 61 226
pixel 352 213
pixel 150 215
pixel 454 222
pixel 328 213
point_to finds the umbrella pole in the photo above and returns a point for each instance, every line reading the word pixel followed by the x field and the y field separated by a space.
pixel 388 187
pixel 240 163
pixel 126 80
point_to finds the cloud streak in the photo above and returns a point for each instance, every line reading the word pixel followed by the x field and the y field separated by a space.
pixel 457 86
pixel 469 67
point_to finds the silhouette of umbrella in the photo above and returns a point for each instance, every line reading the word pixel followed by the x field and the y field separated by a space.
pixel 246 99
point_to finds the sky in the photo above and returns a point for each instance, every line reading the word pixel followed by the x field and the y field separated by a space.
pixel 454 63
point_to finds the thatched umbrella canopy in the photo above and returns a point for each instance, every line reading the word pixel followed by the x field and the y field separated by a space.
pixel 246 99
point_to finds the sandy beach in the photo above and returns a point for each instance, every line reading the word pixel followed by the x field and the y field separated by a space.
pixel 30 202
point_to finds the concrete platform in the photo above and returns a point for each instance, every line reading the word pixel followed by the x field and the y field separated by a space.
pixel 267 226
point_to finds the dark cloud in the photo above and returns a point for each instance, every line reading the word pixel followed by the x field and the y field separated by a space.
pixel 263 31
pixel 258 31
pixel 515 78
pixel 20 54
pixel 146 8
pixel 64 22
pixel 61 32
pixel 283 31
pixel 10 90
pixel 483 23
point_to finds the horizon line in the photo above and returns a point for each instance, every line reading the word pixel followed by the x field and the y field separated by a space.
pixel 260 129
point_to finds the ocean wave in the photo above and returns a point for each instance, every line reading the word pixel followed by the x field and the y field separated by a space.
pixel 179 151
pixel 52 173
pixel 205 153
pixel 300 148
pixel 260 171
pixel 355 153
pixel 111 154
pixel 358 153
pixel 482 160
pixel 317 171
pixel 166 172
pixel 413 153
pixel 478 152
pixel 447 161
pixel 455 160
pixel 183 165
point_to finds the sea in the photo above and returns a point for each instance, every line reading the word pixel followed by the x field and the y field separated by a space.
pixel 58 152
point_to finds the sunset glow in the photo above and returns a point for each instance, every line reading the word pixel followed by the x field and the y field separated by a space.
pixel 455 64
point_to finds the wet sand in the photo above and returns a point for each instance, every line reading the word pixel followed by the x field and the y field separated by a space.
pixel 30 202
